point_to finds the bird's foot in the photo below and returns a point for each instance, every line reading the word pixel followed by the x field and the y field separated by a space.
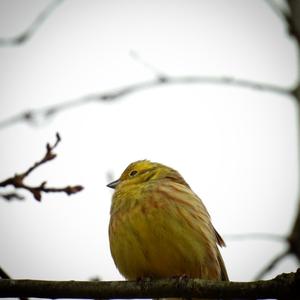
pixel 181 277
pixel 144 279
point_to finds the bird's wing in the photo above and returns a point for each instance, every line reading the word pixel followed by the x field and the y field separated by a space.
pixel 194 213
pixel 189 205
pixel 220 241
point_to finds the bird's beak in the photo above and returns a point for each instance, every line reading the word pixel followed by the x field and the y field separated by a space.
pixel 114 184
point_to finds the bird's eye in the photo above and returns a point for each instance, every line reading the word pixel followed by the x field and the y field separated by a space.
pixel 132 173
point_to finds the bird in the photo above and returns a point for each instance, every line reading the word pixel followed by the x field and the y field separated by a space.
pixel 159 228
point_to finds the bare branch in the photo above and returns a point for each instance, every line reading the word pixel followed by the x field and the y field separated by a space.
pixel 285 286
pixel 272 264
pixel 34 116
pixel 48 156
pixel 17 181
pixel 136 57
pixel 32 28
pixel 292 241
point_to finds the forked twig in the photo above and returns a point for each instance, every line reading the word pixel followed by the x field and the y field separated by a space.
pixel 17 181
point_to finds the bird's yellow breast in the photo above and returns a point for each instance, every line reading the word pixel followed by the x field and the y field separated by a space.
pixel 153 236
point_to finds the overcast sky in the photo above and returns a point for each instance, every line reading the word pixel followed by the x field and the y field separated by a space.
pixel 236 147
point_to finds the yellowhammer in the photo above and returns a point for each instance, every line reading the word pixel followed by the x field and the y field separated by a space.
pixel 160 228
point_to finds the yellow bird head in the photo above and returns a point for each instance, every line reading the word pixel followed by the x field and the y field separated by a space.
pixel 144 171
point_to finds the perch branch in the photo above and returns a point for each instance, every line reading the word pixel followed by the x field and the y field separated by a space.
pixel 17 181
pixel 4 275
pixel 285 286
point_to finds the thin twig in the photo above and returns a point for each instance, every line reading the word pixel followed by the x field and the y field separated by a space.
pixel 158 73
pixel 33 117
pixel 17 181
pixel 294 236
pixel 27 34
pixel 256 236
pixel 272 264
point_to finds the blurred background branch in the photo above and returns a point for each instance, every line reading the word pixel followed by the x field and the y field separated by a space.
pixel 28 33
pixel 292 21
pixel 34 117
pixel 255 236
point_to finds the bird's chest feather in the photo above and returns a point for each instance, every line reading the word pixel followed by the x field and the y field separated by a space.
pixel 134 238
pixel 153 239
